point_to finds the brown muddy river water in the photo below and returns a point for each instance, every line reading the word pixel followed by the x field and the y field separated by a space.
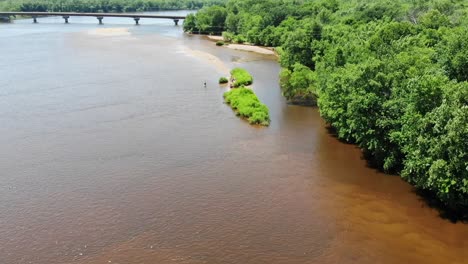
pixel 113 151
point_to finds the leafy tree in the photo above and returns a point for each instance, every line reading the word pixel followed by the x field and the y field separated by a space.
pixel 453 54
pixel 299 84
pixel 190 23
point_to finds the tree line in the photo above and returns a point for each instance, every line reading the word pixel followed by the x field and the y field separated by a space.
pixel 114 6
pixel 388 75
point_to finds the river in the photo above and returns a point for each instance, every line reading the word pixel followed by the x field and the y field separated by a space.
pixel 113 151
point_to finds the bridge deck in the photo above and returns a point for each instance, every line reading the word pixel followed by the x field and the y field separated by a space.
pixel 88 14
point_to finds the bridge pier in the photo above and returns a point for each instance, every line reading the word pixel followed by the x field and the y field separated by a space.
pixel 66 19
pixel 176 22
pixel 137 20
pixel 100 19
pixel 34 19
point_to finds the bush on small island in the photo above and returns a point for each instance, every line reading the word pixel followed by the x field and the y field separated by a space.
pixel 220 43
pixel 223 80
pixel 247 105
pixel 241 77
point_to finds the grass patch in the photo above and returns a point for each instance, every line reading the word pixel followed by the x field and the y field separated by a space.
pixel 241 77
pixel 246 104
pixel 223 80
pixel 219 43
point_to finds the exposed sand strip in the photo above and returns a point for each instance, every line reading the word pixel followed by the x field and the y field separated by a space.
pixel 220 65
pixel 110 32
pixel 255 49
pixel 245 47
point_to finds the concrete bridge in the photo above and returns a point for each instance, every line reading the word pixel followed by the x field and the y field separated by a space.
pixel 100 16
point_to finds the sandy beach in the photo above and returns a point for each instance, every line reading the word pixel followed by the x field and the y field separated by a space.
pixel 216 38
pixel 245 47
pixel 256 49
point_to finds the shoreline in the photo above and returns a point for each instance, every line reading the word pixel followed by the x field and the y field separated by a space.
pixel 245 47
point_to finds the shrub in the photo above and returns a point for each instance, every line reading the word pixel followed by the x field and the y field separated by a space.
pixel 220 43
pixel 248 106
pixel 239 39
pixel 241 77
pixel 227 36
pixel 223 80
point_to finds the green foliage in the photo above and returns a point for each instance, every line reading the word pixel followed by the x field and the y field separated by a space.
pixel 219 43
pixel 241 77
pixel 239 39
pixel 223 80
pixel 247 105
pixel 390 76
pixel 297 46
pixel 453 53
pixel 190 23
pixel 227 36
pixel 299 84
pixel 438 159
pixel 434 19
pixel 208 20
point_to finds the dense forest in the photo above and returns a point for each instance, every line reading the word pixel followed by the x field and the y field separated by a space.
pixel 389 76
pixel 116 6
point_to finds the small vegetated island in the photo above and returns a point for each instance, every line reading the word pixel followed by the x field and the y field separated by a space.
pixel 241 77
pixel 223 80
pixel 244 101
pixel 388 75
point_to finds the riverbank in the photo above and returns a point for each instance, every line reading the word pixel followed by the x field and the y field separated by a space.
pixel 299 99
pixel 245 47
